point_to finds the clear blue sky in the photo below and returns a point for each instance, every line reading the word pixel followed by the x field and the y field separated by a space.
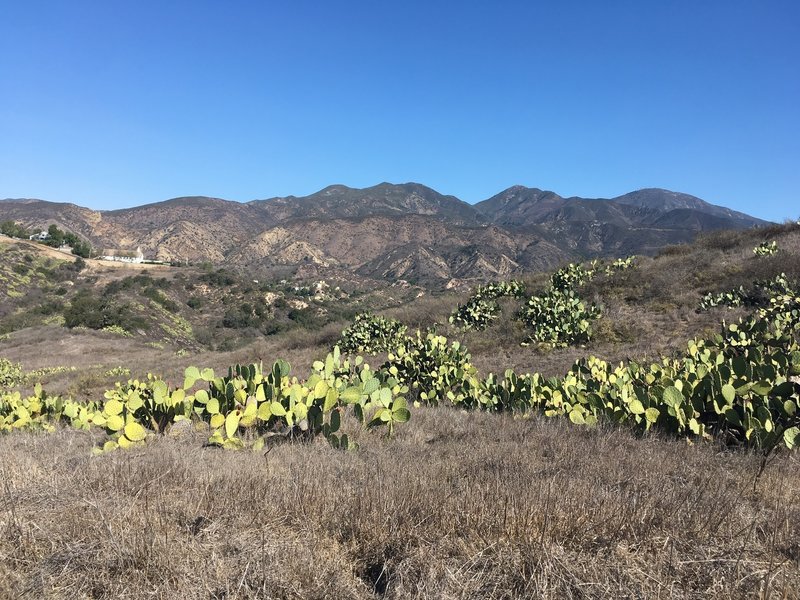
pixel 111 103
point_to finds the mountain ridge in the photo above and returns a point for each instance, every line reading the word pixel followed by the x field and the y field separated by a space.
pixel 388 231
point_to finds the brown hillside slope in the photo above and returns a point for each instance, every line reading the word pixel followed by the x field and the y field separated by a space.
pixel 399 230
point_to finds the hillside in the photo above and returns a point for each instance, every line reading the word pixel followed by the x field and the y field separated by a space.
pixel 391 231
pixel 515 503
pixel 196 309
pixel 178 309
pixel 416 244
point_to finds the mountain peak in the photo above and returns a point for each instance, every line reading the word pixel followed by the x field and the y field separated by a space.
pixel 340 201
pixel 519 204
pixel 661 198
pixel 330 190
pixel 666 201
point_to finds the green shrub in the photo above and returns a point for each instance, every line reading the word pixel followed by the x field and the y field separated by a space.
pixel 86 310
pixel 219 278
pixel 81 249
pixel 158 297
pixel 11 229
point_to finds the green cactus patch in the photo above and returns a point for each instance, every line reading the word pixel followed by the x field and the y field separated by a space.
pixel 370 333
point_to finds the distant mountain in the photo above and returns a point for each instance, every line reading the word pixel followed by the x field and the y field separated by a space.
pixel 519 205
pixel 339 201
pixel 639 222
pixel 666 202
pixel 405 231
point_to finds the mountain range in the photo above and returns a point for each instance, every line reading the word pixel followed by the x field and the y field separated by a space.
pixel 392 231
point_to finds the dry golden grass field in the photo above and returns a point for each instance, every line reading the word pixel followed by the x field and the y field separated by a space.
pixel 456 505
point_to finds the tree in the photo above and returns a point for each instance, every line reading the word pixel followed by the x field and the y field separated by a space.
pixel 59 238
pixel 56 236
pixel 11 229
pixel 81 248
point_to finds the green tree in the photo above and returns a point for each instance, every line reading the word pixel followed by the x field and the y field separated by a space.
pixel 11 229
pixel 56 238
pixel 81 248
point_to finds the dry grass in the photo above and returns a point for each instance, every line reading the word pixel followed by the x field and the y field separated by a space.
pixel 456 506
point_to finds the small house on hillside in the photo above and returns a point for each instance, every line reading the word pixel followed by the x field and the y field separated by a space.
pixel 122 255
pixel 39 237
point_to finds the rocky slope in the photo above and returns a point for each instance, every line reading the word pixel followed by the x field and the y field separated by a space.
pixel 406 231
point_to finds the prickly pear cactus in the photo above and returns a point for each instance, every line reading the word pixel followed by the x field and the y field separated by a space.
pixel 766 248
pixel 559 318
pixel 369 333
pixel 481 308
pixel 10 374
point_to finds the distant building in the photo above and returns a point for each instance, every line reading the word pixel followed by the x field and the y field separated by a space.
pixel 122 255
pixel 39 237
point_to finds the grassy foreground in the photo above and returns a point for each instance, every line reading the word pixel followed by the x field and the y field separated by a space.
pixel 456 505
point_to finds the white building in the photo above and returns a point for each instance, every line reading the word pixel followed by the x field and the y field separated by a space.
pixel 122 255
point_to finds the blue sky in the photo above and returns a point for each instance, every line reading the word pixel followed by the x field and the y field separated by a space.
pixel 110 103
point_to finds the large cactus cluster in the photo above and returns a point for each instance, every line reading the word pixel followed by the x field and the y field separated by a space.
pixel 481 308
pixel 371 334
pixel 741 384
pixel 559 316
pixel 244 409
